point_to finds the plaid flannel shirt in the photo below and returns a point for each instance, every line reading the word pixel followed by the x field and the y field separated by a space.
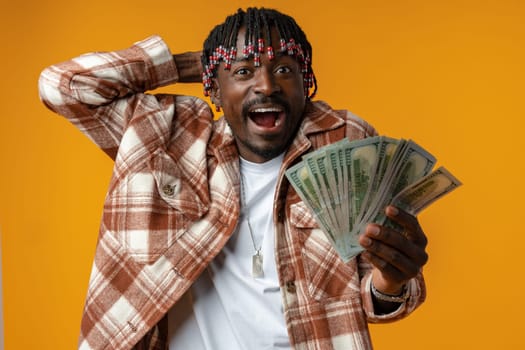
pixel 173 202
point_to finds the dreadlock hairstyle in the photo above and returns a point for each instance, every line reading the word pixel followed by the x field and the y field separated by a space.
pixel 221 44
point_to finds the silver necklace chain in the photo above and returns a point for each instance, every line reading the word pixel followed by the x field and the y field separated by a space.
pixel 257 258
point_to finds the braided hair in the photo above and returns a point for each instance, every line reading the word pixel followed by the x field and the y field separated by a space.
pixel 221 44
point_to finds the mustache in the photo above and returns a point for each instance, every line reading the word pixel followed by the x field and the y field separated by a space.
pixel 273 100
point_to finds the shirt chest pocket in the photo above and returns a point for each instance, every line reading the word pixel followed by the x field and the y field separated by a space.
pixel 154 206
pixel 327 276
pixel 176 188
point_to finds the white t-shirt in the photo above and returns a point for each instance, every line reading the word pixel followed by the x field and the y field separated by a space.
pixel 227 308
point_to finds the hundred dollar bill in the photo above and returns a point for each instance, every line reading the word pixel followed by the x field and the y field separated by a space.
pixel 317 170
pixel 335 171
pixel 409 165
pixel 345 245
pixel 364 158
pixel 386 150
pixel 415 163
pixel 426 191
pixel 329 164
pixel 303 184
pixel 331 170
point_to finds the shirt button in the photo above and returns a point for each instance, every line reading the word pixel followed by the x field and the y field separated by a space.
pixel 132 326
pixel 168 190
pixel 290 287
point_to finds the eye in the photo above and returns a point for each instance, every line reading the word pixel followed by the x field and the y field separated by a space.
pixel 242 71
pixel 283 70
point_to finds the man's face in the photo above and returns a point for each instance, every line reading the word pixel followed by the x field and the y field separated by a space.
pixel 263 105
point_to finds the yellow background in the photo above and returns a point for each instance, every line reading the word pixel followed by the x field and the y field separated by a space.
pixel 448 74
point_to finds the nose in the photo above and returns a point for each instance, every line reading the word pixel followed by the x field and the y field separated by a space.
pixel 265 82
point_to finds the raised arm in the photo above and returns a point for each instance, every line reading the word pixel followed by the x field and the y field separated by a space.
pixel 99 92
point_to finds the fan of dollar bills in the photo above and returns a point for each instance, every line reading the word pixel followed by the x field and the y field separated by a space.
pixel 349 183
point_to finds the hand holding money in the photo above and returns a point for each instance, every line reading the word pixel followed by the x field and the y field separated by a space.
pixel 348 185
pixel 397 255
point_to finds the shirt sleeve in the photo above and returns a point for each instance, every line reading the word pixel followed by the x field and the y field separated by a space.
pixel 99 92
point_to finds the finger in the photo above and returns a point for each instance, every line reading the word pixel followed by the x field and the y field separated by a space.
pixel 393 261
pixel 382 235
pixel 388 271
pixel 411 228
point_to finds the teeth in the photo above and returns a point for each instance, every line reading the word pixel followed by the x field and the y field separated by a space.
pixel 266 110
pixel 278 122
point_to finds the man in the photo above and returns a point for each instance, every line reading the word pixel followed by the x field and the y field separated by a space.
pixel 203 243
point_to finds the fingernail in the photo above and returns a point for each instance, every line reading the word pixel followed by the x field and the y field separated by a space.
pixel 391 210
pixel 373 230
pixel 365 241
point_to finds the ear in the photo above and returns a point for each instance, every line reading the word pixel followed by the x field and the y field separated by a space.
pixel 215 93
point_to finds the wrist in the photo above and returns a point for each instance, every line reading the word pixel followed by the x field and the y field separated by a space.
pixel 189 67
pixel 400 297
pixel 385 286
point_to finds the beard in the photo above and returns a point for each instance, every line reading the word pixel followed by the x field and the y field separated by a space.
pixel 267 153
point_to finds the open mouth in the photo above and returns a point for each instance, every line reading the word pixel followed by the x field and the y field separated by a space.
pixel 268 117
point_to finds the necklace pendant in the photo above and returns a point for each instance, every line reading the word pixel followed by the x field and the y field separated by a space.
pixel 257 265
